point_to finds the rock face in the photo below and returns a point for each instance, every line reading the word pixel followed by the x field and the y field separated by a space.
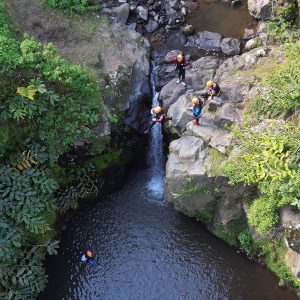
pixel 260 9
pixel 203 70
pixel 170 93
pixel 231 46
pixel 123 53
pixel 206 40
pixel 122 12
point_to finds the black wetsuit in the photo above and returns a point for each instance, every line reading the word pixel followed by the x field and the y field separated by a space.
pixel 215 90
pixel 180 69
pixel 158 116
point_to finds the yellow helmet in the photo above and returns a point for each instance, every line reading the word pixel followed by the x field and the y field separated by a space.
pixel 209 83
pixel 157 109
pixel 195 100
pixel 180 57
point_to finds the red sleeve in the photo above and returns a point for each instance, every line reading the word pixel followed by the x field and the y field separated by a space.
pixel 187 62
pixel 174 60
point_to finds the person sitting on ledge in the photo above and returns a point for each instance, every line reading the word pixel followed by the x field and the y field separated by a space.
pixel 213 89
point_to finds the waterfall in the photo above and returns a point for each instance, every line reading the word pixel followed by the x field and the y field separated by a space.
pixel 155 153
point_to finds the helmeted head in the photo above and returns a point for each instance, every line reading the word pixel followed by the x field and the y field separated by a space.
pixel 209 83
pixel 89 253
pixel 195 100
pixel 180 57
pixel 157 109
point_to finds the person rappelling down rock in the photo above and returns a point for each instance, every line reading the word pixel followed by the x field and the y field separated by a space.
pixel 158 117
pixel 88 257
pixel 181 65
pixel 213 89
pixel 196 108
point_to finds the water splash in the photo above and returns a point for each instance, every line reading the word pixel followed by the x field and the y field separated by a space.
pixel 155 154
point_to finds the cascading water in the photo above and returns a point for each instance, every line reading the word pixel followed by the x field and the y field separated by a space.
pixel 155 155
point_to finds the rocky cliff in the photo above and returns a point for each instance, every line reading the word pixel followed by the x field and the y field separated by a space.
pixel 195 181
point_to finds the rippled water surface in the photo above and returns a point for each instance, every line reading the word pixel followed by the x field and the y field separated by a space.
pixel 144 249
pixel 218 16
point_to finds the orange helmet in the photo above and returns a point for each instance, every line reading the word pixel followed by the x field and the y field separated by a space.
pixel 89 253
pixel 157 109
pixel 209 83
pixel 195 100
pixel 180 57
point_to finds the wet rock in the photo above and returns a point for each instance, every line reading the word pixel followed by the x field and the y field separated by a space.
pixel 206 40
pixel 260 9
pixel 253 43
pixel 152 26
pixel 228 115
pixel 170 93
pixel 188 30
pixel 122 12
pixel 249 33
pixel 142 12
pixel 292 259
pixel 231 46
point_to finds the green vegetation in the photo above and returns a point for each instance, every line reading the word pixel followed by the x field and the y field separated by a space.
pixel 246 242
pixel 74 6
pixel 269 150
pixel 273 252
pixel 45 105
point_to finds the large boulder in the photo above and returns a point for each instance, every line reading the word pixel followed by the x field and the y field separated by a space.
pixel 231 46
pixel 170 93
pixel 187 160
pixel 228 115
pixel 202 70
pixel 188 30
pixel 237 63
pixel 142 12
pixel 236 88
pixel 206 40
pixel 122 12
pixel 180 113
pixel 260 9
pixel 292 259
pixel 152 26
pixel 216 138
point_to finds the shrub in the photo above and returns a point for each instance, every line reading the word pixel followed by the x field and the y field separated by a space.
pixel 74 6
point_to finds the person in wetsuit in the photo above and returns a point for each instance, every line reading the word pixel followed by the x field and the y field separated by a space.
pixel 196 108
pixel 88 257
pixel 159 116
pixel 213 89
pixel 181 64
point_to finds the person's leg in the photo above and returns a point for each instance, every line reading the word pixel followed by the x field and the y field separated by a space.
pixel 152 124
pixel 179 76
pixel 183 77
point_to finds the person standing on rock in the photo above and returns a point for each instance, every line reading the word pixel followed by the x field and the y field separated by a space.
pixel 213 89
pixel 181 64
pixel 196 108
pixel 159 116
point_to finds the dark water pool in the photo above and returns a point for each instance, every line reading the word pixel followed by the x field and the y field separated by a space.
pixel 144 249
pixel 218 16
